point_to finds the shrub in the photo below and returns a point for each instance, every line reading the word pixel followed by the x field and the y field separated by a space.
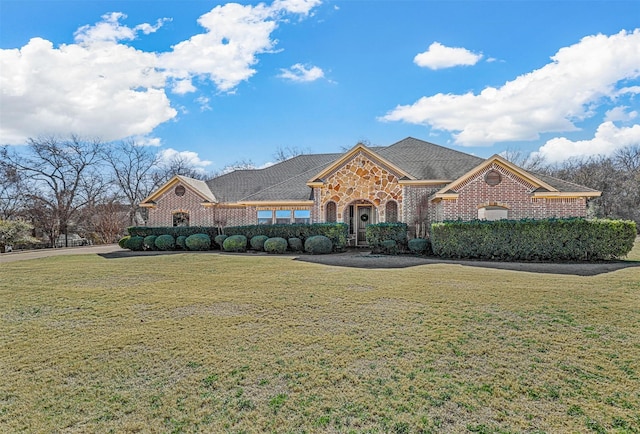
pixel 180 242
pixel 150 242
pixel 123 242
pixel 198 242
pixel 318 245
pixel 275 245
pixel 336 232
pixel 295 244
pixel 174 231
pixel 165 242
pixel 135 243
pixel 572 239
pixel 235 243
pixel 390 247
pixel 420 246
pixel 257 242
pixel 219 239
pixel 377 233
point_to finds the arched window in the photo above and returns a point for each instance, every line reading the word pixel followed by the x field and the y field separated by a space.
pixel 331 212
pixel 181 218
pixel 493 213
pixel 391 212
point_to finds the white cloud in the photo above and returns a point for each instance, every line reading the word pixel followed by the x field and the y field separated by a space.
pixel 549 99
pixel 166 156
pixel 439 56
pixel 104 90
pixel 620 114
pixel 607 139
pixel 302 73
pixel 203 102
pixel 101 87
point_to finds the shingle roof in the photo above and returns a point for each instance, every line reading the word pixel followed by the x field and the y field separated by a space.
pixel 288 180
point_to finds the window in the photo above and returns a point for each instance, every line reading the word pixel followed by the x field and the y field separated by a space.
pixel 492 213
pixel 283 217
pixel 180 191
pixel 181 219
pixel 391 212
pixel 493 178
pixel 265 217
pixel 302 216
pixel 331 212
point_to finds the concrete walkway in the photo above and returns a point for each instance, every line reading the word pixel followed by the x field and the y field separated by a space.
pixel 43 253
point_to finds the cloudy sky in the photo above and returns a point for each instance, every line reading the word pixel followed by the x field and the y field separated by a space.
pixel 220 82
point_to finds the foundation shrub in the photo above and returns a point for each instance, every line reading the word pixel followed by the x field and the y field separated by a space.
pixel 174 231
pixel 198 242
pixel 235 243
pixel 150 242
pixel 180 242
pixel 390 247
pixel 257 242
pixel 420 246
pixel 275 245
pixel 295 244
pixel 219 240
pixel 336 232
pixel 165 242
pixel 318 245
pixel 134 243
pixel 377 233
pixel 123 241
pixel 572 239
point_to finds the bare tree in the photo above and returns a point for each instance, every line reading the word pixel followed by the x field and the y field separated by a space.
pixel 12 198
pixel 527 161
pixel 62 177
pixel 286 153
pixel 178 165
pixel 133 171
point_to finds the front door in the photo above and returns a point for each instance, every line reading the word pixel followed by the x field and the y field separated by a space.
pixel 364 218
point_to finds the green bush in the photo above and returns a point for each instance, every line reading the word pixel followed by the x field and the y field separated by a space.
pixel 573 239
pixel 123 241
pixel 275 245
pixel 198 242
pixel 165 242
pixel 377 233
pixel 295 244
pixel 235 243
pixel 336 232
pixel 135 243
pixel 174 231
pixel 219 240
pixel 257 242
pixel 420 246
pixel 180 242
pixel 150 242
pixel 390 247
pixel 318 245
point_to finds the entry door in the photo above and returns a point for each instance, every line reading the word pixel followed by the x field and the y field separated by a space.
pixel 364 218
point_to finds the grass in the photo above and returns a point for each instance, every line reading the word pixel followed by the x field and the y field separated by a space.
pixel 217 343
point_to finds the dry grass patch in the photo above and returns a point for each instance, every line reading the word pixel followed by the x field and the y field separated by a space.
pixel 215 343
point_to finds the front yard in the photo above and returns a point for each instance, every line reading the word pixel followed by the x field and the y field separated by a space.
pixel 220 343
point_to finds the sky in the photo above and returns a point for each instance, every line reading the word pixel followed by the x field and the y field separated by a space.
pixel 215 82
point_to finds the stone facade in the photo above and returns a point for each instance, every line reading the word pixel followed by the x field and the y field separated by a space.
pixel 359 180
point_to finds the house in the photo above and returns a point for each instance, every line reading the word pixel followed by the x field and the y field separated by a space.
pixel 411 181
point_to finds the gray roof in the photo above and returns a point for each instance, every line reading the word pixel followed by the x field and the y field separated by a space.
pixel 288 180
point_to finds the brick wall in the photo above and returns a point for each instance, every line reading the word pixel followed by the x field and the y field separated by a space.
pixel 513 193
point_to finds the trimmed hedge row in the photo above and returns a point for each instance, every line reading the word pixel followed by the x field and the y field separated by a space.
pixel 175 231
pixel 572 239
pixel 336 232
pixel 377 233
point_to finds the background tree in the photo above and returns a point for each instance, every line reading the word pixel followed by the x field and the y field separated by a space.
pixel 61 177
pixel 13 232
pixel 12 200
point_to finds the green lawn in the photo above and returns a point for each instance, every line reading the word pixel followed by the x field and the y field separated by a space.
pixel 220 343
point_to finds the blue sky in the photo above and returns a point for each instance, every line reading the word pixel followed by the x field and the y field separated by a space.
pixel 219 82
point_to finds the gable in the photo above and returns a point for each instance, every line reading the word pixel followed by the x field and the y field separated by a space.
pixel 193 186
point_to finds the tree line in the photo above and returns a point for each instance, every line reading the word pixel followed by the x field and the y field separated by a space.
pixel 94 189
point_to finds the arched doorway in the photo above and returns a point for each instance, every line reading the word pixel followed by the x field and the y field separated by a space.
pixel 358 216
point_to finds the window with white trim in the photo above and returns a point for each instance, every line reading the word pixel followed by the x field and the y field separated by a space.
pixel 283 217
pixel 302 216
pixel 493 213
pixel 265 217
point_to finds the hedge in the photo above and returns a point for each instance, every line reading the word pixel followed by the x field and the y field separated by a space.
pixel 376 234
pixel 336 232
pixel 318 245
pixel 235 243
pixel 165 242
pixel 150 242
pixel 275 245
pixel 571 239
pixel 420 246
pixel 257 242
pixel 198 242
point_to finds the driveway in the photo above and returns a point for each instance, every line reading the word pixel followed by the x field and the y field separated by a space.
pixel 44 253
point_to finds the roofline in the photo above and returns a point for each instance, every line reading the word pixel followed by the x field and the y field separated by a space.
pixel 507 165
pixel 170 183
pixel 348 155
pixel 559 194
pixel 418 182
pixel 276 203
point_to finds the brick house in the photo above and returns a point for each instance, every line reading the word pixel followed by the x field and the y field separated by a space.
pixel 411 181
